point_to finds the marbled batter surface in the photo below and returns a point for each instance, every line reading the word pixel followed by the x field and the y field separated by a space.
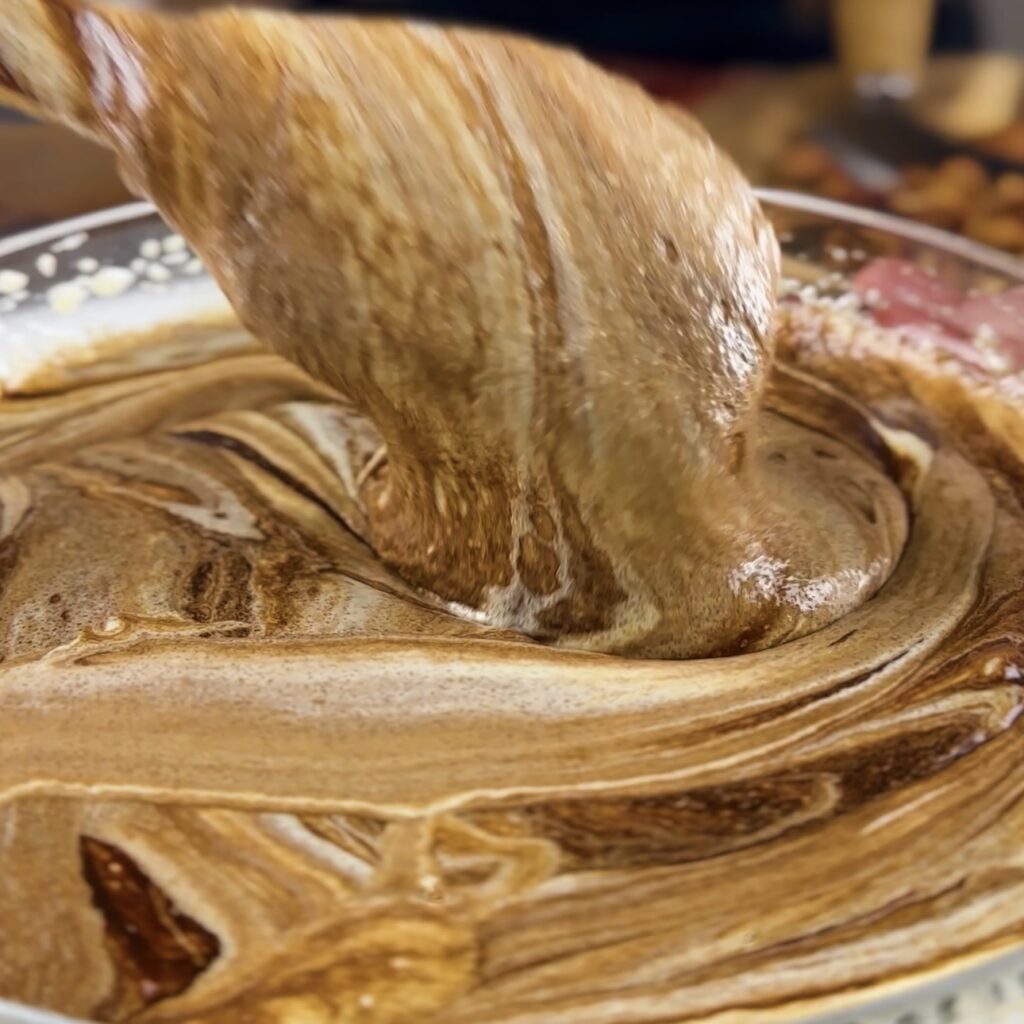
pixel 249 775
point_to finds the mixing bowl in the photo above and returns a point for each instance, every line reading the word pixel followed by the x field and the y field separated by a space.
pixel 65 286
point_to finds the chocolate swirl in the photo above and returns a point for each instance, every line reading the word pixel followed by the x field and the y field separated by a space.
pixel 551 297
pixel 331 801
pixel 255 769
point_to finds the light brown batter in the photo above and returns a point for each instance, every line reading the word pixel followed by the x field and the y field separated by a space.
pixel 335 802
pixel 252 768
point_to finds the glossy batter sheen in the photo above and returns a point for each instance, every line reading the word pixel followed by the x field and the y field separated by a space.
pixel 486 244
pixel 249 774
pixel 254 769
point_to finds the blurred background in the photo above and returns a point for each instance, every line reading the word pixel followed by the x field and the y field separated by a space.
pixel 915 106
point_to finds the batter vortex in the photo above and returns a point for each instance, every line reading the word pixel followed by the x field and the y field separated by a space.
pixel 253 770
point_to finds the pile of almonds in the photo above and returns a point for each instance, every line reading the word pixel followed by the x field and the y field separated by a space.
pixel 958 195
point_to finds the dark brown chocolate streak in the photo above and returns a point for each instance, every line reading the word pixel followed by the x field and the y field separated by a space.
pixel 244 451
pixel 223 441
pixel 702 824
pixel 797 704
pixel 7 79
pixel 161 949
pixel 64 19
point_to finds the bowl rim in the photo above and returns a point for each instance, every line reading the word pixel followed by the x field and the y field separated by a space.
pixel 912 231
pixel 924 234
pixel 106 217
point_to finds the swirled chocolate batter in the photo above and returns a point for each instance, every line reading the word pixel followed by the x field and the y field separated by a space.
pixel 550 297
pixel 279 741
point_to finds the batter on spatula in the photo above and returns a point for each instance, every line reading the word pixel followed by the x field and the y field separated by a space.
pixel 549 297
